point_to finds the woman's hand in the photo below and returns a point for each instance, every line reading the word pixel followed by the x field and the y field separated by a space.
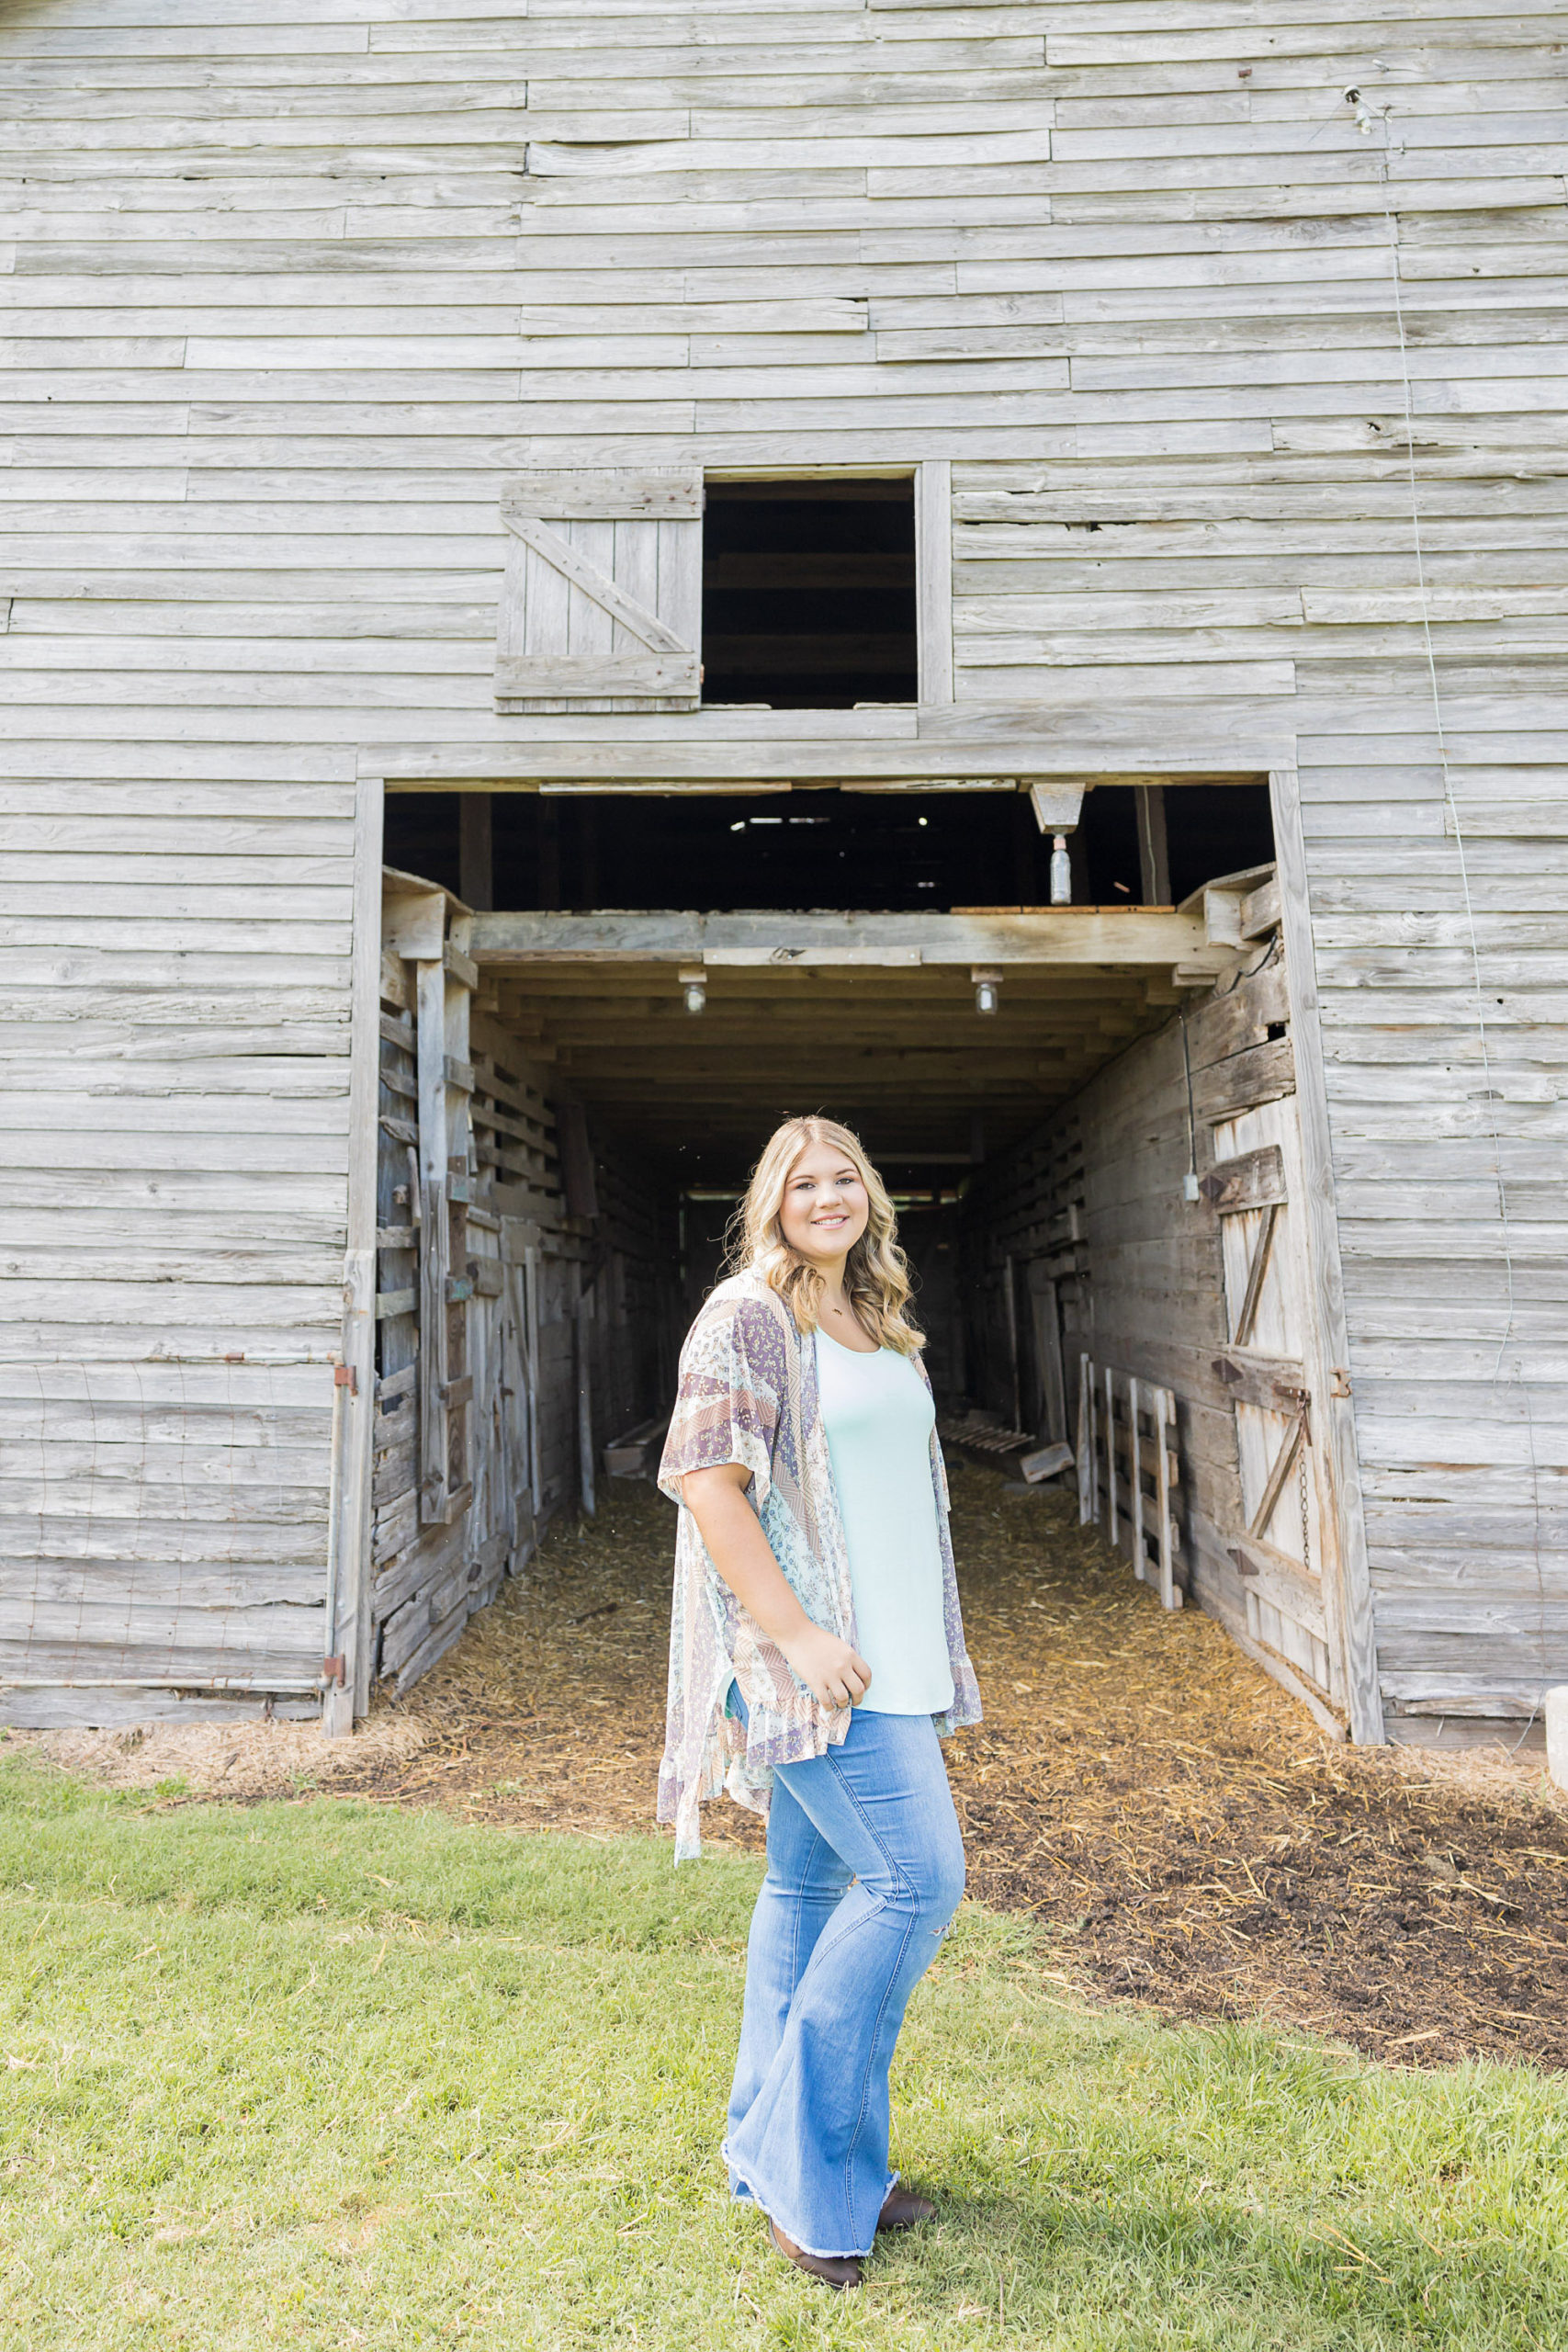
pixel 836 1674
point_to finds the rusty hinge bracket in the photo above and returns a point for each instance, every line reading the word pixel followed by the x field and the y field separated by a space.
pixel 346 1376
pixel 1339 1381
pixel 333 1670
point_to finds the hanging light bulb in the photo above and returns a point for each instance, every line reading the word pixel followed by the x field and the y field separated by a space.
pixel 987 989
pixel 695 987
pixel 1061 872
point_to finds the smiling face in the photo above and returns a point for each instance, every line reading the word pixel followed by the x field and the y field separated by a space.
pixel 825 1207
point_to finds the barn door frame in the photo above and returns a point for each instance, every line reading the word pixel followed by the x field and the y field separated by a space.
pixel 1326 1338
pixel 346 1691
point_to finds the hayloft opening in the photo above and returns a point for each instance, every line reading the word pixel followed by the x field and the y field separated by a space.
pixel 1046 1089
pixel 808 593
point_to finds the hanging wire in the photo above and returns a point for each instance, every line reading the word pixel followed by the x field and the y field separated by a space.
pixel 1236 977
pixel 1457 829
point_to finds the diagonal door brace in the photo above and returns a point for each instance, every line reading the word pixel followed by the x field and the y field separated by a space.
pixel 564 557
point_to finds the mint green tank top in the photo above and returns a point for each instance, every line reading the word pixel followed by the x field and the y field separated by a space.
pixel 878 1416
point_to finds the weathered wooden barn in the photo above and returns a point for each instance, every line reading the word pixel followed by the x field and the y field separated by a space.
pixel 568 567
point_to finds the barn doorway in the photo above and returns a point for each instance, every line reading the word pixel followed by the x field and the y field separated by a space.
pixel 576 1079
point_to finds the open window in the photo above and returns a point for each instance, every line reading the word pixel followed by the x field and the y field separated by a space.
pixel 652 588
pixel 808 593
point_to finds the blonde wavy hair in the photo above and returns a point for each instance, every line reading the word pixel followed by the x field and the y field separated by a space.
pixel 876 1274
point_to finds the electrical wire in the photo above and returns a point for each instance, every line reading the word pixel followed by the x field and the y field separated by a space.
pixel 1270 954
pixel 1191 1119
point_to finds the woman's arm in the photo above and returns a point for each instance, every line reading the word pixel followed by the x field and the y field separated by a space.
pixel 833 1672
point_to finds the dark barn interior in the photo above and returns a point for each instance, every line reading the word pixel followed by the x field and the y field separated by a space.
pixel 898 853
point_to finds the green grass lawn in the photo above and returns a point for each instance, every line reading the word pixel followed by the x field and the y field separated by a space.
pixel 327 2074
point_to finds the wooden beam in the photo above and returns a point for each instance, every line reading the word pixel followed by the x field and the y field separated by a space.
pixel 1152 936
pixel 1028 741
pixel 1253 1180
pixel 783 991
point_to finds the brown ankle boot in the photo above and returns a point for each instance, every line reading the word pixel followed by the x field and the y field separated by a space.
pixel 838 2271
pixel 902 2209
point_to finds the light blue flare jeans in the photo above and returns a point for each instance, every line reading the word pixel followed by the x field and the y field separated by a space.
pixel 866 1869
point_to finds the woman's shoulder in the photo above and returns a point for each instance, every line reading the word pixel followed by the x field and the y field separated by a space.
pixel 743 1303
pixel 746 1320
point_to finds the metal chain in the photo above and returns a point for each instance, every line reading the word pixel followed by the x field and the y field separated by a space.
pixel 1306 1523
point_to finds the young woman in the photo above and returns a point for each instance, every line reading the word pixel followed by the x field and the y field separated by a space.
pixel 816 1655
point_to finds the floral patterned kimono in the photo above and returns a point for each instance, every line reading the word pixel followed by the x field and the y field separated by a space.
pixel 748 1393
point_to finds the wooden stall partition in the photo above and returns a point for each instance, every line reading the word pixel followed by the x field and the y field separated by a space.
pixel 1129 1472
pixel 470 1244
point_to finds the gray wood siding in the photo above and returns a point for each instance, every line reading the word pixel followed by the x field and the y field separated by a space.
pixel 1448 1145
pixel 175 1013
pixel 287 298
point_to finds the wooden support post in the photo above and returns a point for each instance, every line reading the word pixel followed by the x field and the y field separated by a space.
pixel 531 1297
pixel 1010 1307
pixel 583 1317
pixel 1347 1577
pixel 434 1243
pixel 352 1466
pixel 475 884
pixel 1048 1352
pixel 1137 1480
pixel 1110 1451
pixel 1085 1443
pixel 518 1450
pixel 457 1081
pixel 1164 1438
pixel 549 882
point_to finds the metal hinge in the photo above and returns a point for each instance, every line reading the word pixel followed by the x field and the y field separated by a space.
pixel 1295 1400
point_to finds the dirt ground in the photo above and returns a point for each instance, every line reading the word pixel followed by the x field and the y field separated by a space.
pixel 1140 1786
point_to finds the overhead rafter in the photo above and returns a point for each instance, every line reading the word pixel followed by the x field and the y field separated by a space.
pixel 871 1018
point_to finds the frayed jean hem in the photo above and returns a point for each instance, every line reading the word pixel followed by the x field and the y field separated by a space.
pixel 743 2193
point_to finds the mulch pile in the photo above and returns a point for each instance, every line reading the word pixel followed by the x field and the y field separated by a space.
pixel 1138 1784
